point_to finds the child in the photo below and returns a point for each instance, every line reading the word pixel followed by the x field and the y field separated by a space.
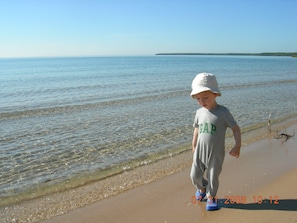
pixel 208 145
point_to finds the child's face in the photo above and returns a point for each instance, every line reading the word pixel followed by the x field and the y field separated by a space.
pixel 206 99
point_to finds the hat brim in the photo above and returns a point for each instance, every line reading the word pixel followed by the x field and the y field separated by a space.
pixel 202 89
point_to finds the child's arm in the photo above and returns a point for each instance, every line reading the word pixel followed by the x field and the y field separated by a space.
pixel 235 151
pixel 195 137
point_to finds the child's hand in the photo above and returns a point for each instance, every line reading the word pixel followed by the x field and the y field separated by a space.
pixel 235 151
pixel 237 136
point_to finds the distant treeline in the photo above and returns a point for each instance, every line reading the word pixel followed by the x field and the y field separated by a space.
pixel 236 54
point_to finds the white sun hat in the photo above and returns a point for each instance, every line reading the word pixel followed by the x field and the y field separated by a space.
pixel 205 82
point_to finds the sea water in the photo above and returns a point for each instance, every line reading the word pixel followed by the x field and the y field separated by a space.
pixel 66 121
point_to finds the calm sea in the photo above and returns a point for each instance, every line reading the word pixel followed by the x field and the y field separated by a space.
pixel 68 120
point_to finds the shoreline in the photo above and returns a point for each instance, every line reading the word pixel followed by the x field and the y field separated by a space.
pixel 264 178
pixel 88 178
pixel 62 202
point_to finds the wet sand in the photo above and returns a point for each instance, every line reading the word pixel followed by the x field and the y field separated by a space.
pixel 262 181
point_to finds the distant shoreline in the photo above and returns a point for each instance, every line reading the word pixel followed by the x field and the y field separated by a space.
pixel 293 54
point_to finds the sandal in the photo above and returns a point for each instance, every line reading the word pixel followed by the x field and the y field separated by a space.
pixel 199 195
pixel 212 205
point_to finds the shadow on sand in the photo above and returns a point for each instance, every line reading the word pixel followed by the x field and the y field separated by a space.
pixel 281 205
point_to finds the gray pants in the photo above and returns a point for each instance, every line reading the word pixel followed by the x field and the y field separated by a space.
pixel 212 170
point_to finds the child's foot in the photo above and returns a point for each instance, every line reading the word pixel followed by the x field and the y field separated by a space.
pixel 200 195
pixel 212 205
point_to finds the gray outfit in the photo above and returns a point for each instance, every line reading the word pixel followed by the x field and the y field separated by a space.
pixel 210 149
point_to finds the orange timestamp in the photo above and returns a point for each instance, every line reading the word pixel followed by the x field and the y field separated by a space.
pixel 241 199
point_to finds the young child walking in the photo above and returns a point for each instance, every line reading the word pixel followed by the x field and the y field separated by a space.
pixel 208 145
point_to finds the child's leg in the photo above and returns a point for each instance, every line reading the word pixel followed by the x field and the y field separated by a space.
pixel 213 172
pixel 197 172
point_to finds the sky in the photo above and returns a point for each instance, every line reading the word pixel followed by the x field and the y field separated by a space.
pixel 61 28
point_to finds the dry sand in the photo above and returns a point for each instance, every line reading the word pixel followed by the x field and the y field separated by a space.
pixel 266 172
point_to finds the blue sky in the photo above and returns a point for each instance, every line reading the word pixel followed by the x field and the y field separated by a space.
pixel 47 28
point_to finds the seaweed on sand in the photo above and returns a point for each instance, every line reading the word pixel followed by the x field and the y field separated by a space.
pixel 284 136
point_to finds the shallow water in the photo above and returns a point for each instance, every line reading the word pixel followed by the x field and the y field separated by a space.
pixel 64 119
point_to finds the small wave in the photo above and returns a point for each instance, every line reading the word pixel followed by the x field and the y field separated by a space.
pixel 85 106
pixel 259 84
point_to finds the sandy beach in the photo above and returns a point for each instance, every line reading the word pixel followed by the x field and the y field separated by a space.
pixel 260 186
